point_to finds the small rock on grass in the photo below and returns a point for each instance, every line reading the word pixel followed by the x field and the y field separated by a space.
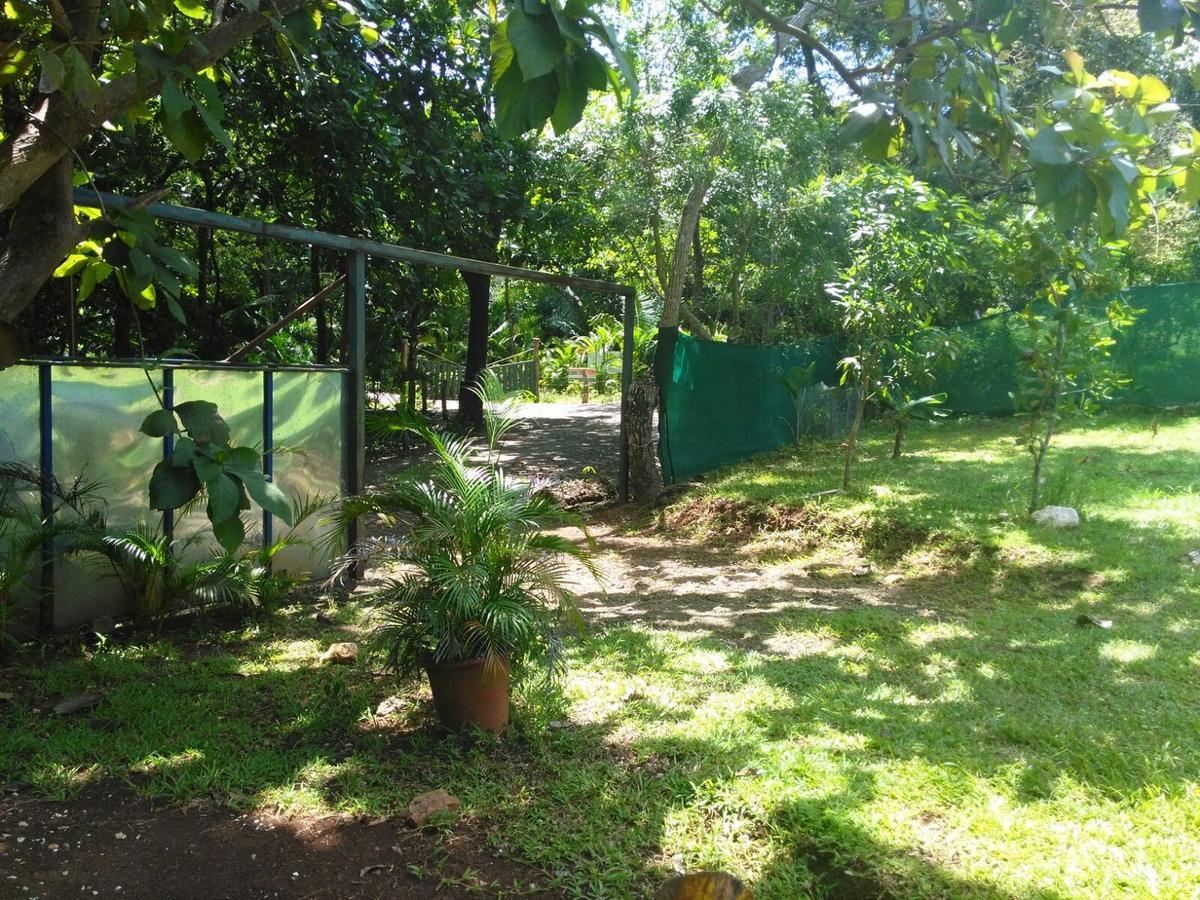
pixel 1057 517
pixel 76 703
pixel 423 807
pixel 343 653
pixel 390 706
pixel 1194 557
pixel 861 571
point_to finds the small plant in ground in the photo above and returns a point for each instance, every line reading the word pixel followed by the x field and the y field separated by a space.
pixel 903 409
pixel 1066 370
pixel 157 581
pixel 75 523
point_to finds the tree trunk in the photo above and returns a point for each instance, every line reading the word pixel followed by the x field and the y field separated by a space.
pixel 42 232
pixel 470 407
pixel 852 438
pixel 900 428
pixel 645 481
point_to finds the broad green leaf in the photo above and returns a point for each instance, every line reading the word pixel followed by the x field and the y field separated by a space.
pixel 159 423
pixel 188 133
pixel 174 102
pixel 53 71
pixel 501 50
pixel 1049 148
pixel 185 452
pixel 230 533
pixel 202 422
pixel 72 265
pixel 572 96
pixel 523 105
pixel 172 486
pixel 223 497
pixel 861 121
pixel 266 494
pixel 193 9
pixel 1159 15
pixel 537 43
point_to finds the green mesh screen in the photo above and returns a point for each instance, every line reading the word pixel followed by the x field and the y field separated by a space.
pixel 1160 353
pixel 722 403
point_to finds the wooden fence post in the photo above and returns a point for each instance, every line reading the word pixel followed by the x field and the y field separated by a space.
pixel 537 370
pixel 585 385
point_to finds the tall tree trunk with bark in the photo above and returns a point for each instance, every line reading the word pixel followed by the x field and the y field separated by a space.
pixel 645 480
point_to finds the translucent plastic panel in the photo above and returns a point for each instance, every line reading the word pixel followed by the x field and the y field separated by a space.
pixel 20 442
pixel 308 425
pixel 239 397
pixel 19 436
pixel 96 416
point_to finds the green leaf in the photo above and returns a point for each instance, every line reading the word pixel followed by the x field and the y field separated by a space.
pixel 524 105
pixel 266 494
pixel 536 41
pixel 567 26
pixel 159 423
pixel 223 497
pixel 202 422
pixel 501 50
pixel 174 102
pixel 230 533
pixel 861 121
pixel 193 9
pixel 1049 148
pixel 206 469
pixel 53 71
pixel 1159 15
pixel 572 96
pixel 188 134
pixel 172 486
pixel 177 261
pixel 185 452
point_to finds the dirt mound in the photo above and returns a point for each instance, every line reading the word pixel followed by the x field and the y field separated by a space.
pixel 882 539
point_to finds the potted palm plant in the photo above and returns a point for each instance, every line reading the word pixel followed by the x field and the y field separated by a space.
pixel 479 591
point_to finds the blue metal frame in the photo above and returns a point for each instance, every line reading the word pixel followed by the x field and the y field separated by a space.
pixel 46 464
pixel 168 398
pixel 268 427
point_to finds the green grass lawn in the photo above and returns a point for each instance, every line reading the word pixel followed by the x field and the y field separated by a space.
pixel 962 737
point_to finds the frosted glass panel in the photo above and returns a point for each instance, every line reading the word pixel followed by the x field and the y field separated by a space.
pixel 20 441
pixel 19 436
pixel 308 424
pixel 238 396
pixel 96 416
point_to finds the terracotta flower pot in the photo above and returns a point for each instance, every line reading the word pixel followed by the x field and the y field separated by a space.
pixel 470 693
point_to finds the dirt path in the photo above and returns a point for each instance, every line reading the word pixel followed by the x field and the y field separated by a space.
pixel 555 441
pixel 110 843
pixel 560 440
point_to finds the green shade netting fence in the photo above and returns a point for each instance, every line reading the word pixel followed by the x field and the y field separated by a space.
pixel 722 403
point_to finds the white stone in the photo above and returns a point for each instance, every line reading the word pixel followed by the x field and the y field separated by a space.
pixel 1057 517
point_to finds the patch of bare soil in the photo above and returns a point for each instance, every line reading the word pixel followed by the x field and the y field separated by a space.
pixel 110 843
pixel 727 590
pixel 808 527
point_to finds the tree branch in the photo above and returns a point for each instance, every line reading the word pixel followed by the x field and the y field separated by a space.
pixel 59 124
pixel 805 37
